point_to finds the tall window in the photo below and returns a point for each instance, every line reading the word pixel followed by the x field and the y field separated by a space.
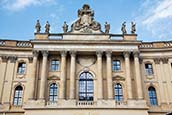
pixel 116 65
pixel 53 92
pixel 86 87
pixel 55 65
pixel 18 95
pixel 118 93
pixel 149 69
pixel 21 68
pixel 152 96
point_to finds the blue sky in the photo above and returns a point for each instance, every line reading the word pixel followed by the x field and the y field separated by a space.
pixel 153 17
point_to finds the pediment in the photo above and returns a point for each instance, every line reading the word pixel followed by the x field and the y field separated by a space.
pixel 54 77
pixel 118 78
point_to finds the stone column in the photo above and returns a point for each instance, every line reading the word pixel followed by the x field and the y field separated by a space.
pixel 109 74
pixel 33 76
pixel 138 75
pixel 63 75
pixel 72 75
pixel 43 75
pixel 128 74
pixel 99 74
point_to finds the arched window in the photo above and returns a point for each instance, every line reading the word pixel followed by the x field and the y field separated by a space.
pixel 86 87
pixel 21 68
pixel 53 92
pixel 152 95
pixel 18 93
pixel 118 93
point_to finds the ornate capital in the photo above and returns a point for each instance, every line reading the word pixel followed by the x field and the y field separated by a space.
pixel 30 59
pixel 136 53
pixel 99 53
pixel 73 53
pixel 126 54
pixel 35 53
pixel 44 53
pixel 164 60
pixel 157 60
pixel 63 53
pixel 4 58
pixel 108 53
pixel 12 59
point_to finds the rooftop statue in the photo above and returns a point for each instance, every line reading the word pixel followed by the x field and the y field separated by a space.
pixel 107 28
pixel 123 28
pixel 38 27
pixel 133 27
pixel 47 27
pixel 85 22
pixel 65 27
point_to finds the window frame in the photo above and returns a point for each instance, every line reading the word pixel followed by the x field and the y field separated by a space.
pixel 149 69
pixel 21 68
pixel 116 66
pixel 18 96
pixel 153 97
pixel 54 66
pixel 54 96
pixel 118 92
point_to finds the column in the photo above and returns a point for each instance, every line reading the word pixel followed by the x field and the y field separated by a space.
pixel 72 75
pixel 63 75
pixel 33 75
pixel 99 74
pixel 43 75
pixel 138 76
pixel 128 74
pixel 109 74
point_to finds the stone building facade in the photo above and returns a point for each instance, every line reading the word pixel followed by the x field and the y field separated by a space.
pixel 85 71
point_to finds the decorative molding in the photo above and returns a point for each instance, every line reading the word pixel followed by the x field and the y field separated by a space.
pixel 118 78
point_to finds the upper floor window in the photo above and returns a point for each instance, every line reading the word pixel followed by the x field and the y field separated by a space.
pixel 116 65
pixel 86 87
pixel 53 92
pixel 18 93
pixel 149 69
pixel 21 68
pixel 152 95
pixel 118 93
pixel 55 65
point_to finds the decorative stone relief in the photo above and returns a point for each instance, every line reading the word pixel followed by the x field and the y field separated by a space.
pixel 86 61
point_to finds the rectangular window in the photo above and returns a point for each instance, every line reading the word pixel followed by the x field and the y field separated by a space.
pixel 116 65
pixel 55 65
pixel 149 69
pixel 21 68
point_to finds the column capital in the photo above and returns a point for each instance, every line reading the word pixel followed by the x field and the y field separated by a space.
pixel 136 53
pixel 44 53
pixel 157 60
pixel 126 54
pixel 63 53
pixel 4 58
pixel 164 60
pixel 12 59
pixel 99 53
pixel 108 53
pixel 73 53
pixel 35 53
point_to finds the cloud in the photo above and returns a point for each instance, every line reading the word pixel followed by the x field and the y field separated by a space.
pixel 155 16
pixel 17 5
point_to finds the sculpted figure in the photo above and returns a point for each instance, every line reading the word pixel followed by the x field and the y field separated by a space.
pixel 47 27
pixel 38 27
pixel 123 28
pixel 65 27
pixel 107 28
pixel 133 27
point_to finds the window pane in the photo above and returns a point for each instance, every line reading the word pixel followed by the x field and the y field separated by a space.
pixel 116 65
pixel 118 92
pixel 55 65
pixel 149 69
pixel 21 68
pixel 18 95
pixel 152 96
pixel 53 92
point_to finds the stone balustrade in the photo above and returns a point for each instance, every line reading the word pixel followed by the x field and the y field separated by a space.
pixel 2 43
pixel 13 43
pixel 148 45
pixel 85 103
pixel 23 44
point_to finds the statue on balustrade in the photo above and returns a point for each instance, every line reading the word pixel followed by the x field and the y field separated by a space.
pixel 38 27
pixel 107 28
pixel 65 27
pixel 133 27
pixel 123 28
pixel 47 27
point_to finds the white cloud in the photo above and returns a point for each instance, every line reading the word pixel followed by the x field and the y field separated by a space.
pixel 17 5
pixel 155 16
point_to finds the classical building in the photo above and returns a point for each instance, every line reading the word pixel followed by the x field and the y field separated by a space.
pixel 85 71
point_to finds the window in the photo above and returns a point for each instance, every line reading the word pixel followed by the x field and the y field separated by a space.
pixel 86 87
pixel 18 95
pixel 118 93
pixel 152 96
pixel 53 92
pixel 116 65
pixel 55 65
pixel 149 69
pixel 21 68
